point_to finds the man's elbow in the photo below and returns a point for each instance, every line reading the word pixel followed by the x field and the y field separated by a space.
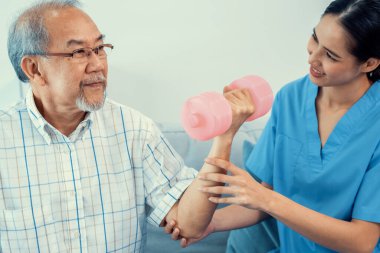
pixel 191 232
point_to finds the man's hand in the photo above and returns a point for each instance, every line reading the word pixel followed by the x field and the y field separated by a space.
pixel 175 232
pixel 241 105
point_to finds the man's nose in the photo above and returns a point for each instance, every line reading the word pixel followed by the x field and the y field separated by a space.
pixel 95 63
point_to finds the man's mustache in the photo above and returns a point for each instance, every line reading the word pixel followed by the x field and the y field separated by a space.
pixel 100 78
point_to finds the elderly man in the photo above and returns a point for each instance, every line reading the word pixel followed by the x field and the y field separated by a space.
pixel 79 172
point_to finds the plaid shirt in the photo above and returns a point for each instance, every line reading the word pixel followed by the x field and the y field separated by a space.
pixel 90 192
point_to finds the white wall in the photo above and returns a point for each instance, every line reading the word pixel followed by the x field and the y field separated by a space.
pixel 168 50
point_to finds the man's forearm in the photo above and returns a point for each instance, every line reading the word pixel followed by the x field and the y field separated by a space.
pixel 194 209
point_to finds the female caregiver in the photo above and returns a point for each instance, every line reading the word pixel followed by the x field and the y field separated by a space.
pixel 319 155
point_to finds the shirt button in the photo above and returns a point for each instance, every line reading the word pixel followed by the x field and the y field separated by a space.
pixel 76 234
pixel 72 193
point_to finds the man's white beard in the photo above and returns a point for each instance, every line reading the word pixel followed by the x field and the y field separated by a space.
pixel 85 106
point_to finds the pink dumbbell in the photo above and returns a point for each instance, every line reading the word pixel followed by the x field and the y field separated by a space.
pixel 209 114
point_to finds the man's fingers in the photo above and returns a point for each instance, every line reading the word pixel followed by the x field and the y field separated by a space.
pixel 175 234
pixel 184 243
pixel 169 226
pixel 227 89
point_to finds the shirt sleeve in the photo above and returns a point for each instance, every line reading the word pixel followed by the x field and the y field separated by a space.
pixel 165 175
pixel 260 161
pixel 367 203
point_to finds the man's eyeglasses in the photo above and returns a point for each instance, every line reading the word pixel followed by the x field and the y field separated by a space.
pixel 83 53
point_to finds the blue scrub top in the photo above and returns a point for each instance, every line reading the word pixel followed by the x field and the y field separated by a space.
pixel 341 180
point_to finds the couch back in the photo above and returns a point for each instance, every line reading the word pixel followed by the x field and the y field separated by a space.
pixel 194 152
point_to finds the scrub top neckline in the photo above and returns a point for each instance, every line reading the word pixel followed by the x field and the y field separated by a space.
pixel 344 127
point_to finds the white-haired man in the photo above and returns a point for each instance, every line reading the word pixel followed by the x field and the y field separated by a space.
pixel 79 172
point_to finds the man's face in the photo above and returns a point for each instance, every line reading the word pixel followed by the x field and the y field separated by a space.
pixel 71 82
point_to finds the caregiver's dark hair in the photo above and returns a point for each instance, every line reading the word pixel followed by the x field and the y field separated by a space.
pixel 361 20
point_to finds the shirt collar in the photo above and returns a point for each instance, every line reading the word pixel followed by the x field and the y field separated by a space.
pixel 47 131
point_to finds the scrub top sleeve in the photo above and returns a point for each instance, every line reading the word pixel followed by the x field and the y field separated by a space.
pixel 260 161
pixel 367 203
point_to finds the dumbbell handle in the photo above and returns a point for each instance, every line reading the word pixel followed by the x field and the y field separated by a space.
pixel 260 91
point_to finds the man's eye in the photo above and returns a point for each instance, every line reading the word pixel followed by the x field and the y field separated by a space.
pixel 100 49
pixel 80 53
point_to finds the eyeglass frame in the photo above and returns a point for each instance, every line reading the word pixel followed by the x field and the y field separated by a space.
pixel 95 50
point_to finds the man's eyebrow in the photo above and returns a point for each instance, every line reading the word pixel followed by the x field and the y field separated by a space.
pixel 81 42
pixel 330 51
pixel 101 37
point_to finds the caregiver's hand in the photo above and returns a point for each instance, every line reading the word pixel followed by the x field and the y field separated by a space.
pixel 243 189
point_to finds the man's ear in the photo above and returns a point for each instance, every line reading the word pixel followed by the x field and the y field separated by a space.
pixel 370 65
pixel 31 67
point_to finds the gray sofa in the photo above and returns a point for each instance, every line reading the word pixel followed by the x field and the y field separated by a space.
pixel 193 152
